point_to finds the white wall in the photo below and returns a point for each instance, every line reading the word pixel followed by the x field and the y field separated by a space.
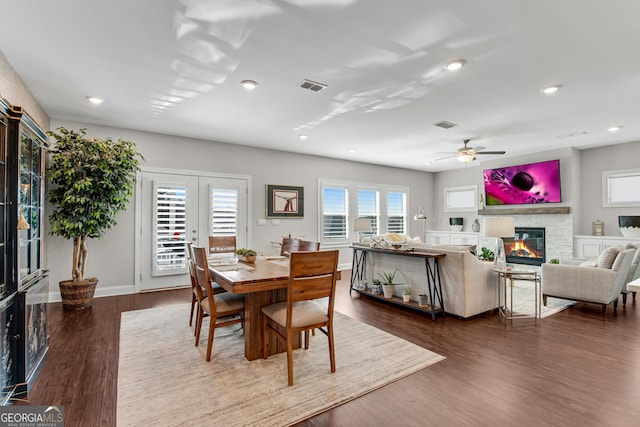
pixel 111 258
pixel 13 89
pixel 594 161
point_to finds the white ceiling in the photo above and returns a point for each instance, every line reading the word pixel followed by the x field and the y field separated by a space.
pixel 175 66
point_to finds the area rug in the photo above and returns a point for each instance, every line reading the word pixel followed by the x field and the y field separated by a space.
pixel 523 302
pixel 163 379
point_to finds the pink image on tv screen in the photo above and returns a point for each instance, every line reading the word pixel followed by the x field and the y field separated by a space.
pixel 523 184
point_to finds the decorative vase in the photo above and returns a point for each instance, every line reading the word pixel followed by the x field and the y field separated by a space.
pixel 406 297
pixel 387 290
pixel 456 223
pixel 629 226
pixel 376 289
pixel 476 225
pixel 77 295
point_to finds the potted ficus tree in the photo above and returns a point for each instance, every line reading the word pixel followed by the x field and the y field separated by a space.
pixel 92 180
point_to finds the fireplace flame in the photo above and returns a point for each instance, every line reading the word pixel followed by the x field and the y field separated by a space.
pixel 519 248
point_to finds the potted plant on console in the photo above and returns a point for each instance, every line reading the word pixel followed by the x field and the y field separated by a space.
pixel 406 294
pixel 93 179
pixel 387 283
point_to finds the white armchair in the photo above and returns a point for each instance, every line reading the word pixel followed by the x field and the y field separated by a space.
pixel 633 274
pixel 587 284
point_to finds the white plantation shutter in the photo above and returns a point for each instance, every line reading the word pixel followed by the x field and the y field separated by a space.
pixel 334 213
pixel 396 212
pixel 169 225
pixel 224 211
pixel 368 208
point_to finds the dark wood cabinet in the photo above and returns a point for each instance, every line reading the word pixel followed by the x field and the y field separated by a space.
pixel 24 286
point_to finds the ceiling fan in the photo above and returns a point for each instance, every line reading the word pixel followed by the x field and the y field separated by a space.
pixel 468 154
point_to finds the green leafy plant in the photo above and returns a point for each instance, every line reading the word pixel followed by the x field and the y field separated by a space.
pixel 93 179
pixel 406 290
pixel 486 254
pixel 387 278
pixel 554 261
pixel 246 252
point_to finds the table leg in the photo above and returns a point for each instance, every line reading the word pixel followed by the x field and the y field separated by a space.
pixel 253 303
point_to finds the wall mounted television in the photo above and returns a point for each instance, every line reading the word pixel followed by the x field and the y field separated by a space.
pixel 523 184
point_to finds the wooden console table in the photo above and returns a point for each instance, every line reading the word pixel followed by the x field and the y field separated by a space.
pixel 434 284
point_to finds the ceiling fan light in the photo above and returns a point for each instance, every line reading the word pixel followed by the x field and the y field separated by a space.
pixel 466 158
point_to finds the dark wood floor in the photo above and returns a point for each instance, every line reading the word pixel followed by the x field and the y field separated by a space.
pixel 573 369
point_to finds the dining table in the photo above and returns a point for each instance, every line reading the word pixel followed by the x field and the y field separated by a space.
pixel 262 282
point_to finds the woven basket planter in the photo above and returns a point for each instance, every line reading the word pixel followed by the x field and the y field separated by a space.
pixel 77 295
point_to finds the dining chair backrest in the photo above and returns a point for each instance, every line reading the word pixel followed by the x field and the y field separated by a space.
pixel 306 245
pixel 195 289
pixel 203 277
pixel 289 244
pixel 312 275
pixel 191 264
pixel 219 245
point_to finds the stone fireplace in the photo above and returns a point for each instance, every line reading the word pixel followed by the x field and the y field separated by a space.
pixel 557 223
pixel 526 247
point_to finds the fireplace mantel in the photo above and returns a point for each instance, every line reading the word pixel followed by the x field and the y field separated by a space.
pixel 538 210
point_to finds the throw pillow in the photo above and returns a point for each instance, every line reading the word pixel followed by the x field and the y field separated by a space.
pixel 395 238
pixel 606 258
pixel 589 263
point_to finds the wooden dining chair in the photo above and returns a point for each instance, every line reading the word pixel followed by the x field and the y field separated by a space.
pixel 289 244
pixel 194 281
pixel 222 245
pixel 217 289
pixel 224 309
pixel 312 275
pixel 305 245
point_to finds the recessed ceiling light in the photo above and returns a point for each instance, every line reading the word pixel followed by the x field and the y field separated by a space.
pixel 455 65
pixel 352 150
pixel 551 89
pixel 303 136
pixel 614 128
pixel 249 84
pixel 95 100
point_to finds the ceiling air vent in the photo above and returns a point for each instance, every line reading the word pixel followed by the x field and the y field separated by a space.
pixel 312 86
pixel 445 125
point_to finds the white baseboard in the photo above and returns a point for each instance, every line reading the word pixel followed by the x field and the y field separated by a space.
pixel 107 291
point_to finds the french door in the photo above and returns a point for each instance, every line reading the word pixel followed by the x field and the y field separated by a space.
pixel 176 208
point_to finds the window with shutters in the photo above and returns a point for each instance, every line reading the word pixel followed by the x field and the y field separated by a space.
pixel 224 212
pixel 170 216
pixel 336 224
pixel 335 201
pixel 369 208
pixel 396 212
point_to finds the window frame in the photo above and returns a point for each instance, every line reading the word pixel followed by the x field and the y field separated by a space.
pixel 461 199
pixel 608 179
pixel 352 188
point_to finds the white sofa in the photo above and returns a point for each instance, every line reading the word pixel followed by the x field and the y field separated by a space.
pixel 469 286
